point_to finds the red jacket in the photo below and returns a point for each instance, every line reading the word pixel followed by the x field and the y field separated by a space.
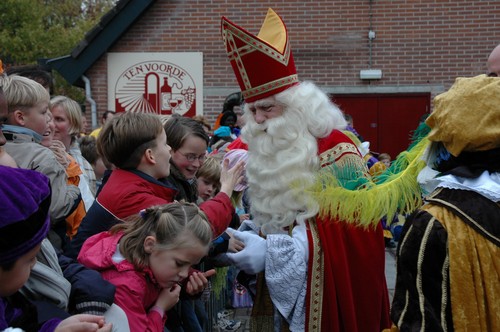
pixel 127 192
pixel 136 291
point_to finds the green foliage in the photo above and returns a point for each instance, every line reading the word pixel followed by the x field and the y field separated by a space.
pixel 39 29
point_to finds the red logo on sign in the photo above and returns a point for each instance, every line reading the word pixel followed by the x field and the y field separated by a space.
pixel 156 87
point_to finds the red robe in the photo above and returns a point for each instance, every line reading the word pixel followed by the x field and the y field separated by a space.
pixel 351 293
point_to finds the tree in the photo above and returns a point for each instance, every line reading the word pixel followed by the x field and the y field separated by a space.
pixel 38 29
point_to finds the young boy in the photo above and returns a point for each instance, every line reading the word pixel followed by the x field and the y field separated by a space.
pixel 24 128
pixel 24 223
pixel 208 179
pixel 136 144
pixel 88 147
pixel 5 158
pixel 385 158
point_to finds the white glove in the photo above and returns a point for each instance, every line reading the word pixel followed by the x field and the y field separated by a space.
pixel 252 259
pixel 248 225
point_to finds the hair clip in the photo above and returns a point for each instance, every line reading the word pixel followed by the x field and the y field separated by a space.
pixel 142 213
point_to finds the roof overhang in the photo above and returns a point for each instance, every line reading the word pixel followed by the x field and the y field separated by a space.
pixel 97 41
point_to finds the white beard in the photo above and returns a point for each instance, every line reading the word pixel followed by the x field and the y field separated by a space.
pixel 282 164
pixel 282 156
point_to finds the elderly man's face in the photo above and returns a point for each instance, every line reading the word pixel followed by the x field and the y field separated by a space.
pixel 264 109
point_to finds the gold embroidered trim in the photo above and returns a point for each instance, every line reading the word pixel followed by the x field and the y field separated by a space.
pixel 344 163
pixel 330 156
pixel 234 54
pixel 284 81
pixel 432 199
pixel 317 282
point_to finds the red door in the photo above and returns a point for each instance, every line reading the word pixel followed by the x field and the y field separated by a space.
pixel 386 121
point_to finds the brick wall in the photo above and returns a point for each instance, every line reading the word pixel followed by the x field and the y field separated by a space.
pixel 418 42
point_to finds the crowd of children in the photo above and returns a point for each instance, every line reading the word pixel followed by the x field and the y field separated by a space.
pixel 118 221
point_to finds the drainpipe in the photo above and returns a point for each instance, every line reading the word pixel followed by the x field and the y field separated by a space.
pixel 88 97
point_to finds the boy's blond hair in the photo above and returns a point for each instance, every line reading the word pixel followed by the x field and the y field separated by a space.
pixel 124 139
pixel 22 93
pixel 73 111
pixel 210 171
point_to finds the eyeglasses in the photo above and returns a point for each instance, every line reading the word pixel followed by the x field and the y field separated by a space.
pixel 192 157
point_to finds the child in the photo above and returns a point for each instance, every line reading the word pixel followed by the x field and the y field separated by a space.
pixel 385 158
pixel 149 259
pixel 227 132
pixel 88 147
pixel 25 125
pixel 24 223
pixel 379 167
pixel 5 158
pixel 136 144
pixel 208 179
pixel 189 143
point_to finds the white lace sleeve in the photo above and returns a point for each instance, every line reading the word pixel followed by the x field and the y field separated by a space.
pixel 286 275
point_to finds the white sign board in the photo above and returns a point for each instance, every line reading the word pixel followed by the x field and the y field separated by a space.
pixel 161 83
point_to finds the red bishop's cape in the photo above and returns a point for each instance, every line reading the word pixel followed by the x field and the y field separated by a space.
pixel 347 289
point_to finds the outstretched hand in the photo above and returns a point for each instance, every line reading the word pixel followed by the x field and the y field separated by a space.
pixel 234 244
pixel 230 177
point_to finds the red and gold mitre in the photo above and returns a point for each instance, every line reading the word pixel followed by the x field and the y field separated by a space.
pixel 263 64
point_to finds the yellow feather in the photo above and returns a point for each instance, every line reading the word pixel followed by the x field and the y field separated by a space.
pixel 394 192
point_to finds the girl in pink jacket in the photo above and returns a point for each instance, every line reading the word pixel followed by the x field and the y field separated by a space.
pixel 149 259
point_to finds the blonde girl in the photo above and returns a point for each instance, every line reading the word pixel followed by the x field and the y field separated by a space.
pixel 149 258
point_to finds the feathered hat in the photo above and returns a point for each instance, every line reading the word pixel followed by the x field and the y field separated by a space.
pixel 263 64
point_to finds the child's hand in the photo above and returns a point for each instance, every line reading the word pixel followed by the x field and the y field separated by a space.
pixel 198 282
pixel 168 297
pixel 83 323
pixel 60 152
pixel 230 177
pixel 244 217
pixel 234 245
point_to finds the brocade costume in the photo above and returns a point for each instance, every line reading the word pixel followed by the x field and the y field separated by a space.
pixel 458 233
